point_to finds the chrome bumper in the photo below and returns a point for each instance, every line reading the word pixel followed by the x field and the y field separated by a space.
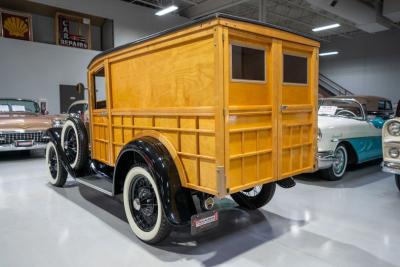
pixel 391 167
pixel 12 147
pixel 325 159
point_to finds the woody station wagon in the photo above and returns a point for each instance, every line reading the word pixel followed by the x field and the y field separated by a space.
pixel 220 106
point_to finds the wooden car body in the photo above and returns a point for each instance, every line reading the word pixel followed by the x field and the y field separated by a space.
pixel 225 134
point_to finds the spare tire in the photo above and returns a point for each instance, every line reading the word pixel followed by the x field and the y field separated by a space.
pixel 74 141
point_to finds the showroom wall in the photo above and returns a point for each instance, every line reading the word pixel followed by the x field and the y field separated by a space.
pixel 367 64
pixel 35 70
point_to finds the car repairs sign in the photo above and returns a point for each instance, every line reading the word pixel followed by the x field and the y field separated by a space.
pixel 73 32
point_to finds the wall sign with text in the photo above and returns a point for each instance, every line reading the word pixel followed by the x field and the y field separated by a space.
pixel 73 31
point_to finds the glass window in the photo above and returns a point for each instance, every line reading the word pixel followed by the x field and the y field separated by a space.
pixel 248 63
pixel 384 105
pixel 295 69
pixel 100 90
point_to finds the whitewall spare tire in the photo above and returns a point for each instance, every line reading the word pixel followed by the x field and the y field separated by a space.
pixel 74 142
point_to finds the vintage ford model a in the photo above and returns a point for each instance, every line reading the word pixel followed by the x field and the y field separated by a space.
pixel 221 106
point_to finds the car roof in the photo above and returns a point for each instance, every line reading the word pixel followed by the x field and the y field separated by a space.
pixel 362 98
pixel 195 22
pixel 16 98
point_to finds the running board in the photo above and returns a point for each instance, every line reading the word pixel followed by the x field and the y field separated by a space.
pixel 97 182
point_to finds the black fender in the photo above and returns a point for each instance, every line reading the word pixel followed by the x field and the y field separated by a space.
pixel 177 202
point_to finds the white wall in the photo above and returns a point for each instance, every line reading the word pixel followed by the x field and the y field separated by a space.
pixel 367 64
pixel 35 70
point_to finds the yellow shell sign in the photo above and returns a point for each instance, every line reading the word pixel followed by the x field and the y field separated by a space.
pixel 16 26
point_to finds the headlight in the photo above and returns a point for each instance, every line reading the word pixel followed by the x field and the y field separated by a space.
pixel 57 123
pixel 319 134
pixel 394 128
pixel 394 152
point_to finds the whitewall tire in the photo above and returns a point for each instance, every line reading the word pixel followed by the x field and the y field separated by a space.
pixel 143 206
pixel 57 173
pixel 338 169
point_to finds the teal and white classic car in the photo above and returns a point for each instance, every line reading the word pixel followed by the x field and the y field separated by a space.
pixel 350 130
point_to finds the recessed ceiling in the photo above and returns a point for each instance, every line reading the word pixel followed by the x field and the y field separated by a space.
pixel 297 15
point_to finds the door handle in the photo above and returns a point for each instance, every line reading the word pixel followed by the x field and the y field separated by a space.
pixel 284 107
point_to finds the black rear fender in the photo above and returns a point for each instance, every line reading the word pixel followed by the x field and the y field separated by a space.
pixel 177 201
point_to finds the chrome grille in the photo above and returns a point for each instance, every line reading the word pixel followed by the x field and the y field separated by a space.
pixel 9 138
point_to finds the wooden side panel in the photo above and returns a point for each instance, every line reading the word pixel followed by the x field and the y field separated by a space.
pixel 171 91
pixel 178 76
pixel 100 136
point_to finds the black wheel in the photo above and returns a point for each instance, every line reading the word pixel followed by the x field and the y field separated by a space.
pixel 58 174
pixel 255 197
pixel 397 177
pixel 74 141
pixel 339 165
pixel 143 206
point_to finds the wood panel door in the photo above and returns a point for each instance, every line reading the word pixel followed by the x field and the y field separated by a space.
pixel 100 123
pixel 296 110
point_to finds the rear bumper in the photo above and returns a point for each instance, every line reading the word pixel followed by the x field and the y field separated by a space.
pixel 12 147
pixel 391 167
pixel 325 159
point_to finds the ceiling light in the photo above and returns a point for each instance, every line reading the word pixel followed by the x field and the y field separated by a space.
pixel 166 10
pixel 328 53
pixel 327 27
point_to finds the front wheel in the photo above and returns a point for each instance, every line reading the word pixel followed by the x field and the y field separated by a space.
pixel 255 197
pixel 339 165
pixel 397 177
pixel 143 206
pixel 58 174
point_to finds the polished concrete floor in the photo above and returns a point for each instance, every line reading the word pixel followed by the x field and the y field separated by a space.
pixel 354 222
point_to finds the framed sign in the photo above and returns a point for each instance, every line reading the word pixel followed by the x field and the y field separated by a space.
pixel 15 25
pixel 73 31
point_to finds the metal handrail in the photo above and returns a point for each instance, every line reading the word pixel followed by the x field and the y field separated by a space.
pixel 333 87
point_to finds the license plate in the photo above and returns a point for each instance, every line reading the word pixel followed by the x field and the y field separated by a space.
pixel 203 221
pixel 24 143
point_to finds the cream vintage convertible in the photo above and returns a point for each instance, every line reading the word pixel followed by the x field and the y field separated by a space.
pixel 349 133
pixel 391 146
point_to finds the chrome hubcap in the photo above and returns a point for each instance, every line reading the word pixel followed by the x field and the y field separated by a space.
pixel 340 161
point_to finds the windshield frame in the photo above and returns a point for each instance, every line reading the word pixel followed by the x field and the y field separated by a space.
pixel 364 116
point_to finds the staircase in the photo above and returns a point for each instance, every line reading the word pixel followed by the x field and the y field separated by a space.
pixel 328 88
